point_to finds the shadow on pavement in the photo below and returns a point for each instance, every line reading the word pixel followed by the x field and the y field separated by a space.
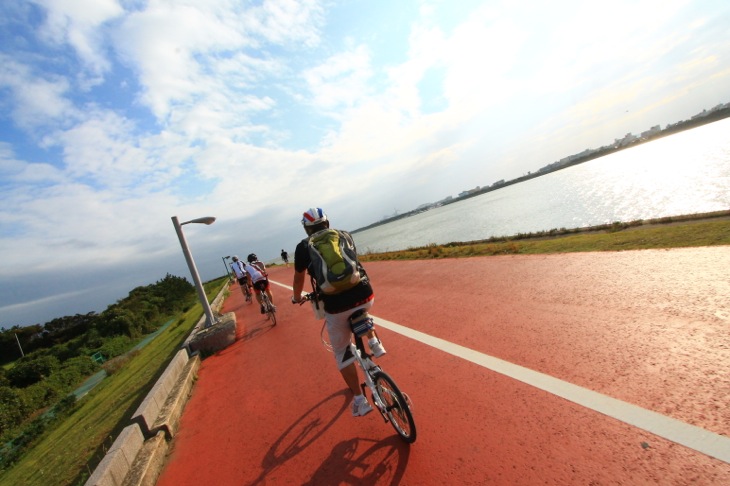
pixel 384 462
pixel 299 436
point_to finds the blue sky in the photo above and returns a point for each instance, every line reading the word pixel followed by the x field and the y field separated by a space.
pixel 118 115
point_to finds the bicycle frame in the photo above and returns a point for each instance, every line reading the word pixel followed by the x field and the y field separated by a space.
pixel 394 405
pixel 269 307
pixel 362 358
pixel 248 293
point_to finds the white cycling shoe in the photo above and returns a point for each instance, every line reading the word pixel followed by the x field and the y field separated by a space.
pixel 376 347
pixel 361 408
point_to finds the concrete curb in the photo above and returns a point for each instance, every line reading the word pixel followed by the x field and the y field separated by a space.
pixel 138 454
pixel 150 408
pixel 148 463
pixel 113 469
pixel 169 417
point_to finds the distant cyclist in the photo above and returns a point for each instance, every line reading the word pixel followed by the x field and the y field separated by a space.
pixel 257 272
pixel 285 257
pixel 337 308
pixel 239 270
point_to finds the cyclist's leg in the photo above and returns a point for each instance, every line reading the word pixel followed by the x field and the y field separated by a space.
pixel 268 291
pixel 260 288
pixel 339 332
pixel 376 346
pixel 352 379
pixel 257 291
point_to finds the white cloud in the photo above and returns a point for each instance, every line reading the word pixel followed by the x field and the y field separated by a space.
pixel 341 80
pixel 287 21
pixel 180 50
pixel 36 99
pixel 77 23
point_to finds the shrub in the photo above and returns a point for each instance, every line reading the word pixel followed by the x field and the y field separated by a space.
pixel 31 370
pixel 116 346
pixel 12 408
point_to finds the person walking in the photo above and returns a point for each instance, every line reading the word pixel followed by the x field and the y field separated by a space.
pixel 338 307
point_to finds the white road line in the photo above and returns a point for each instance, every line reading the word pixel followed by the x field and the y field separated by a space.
pixel 696 438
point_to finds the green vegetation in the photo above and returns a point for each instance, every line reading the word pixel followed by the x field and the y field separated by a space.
pixel 685 231
pixel 48 437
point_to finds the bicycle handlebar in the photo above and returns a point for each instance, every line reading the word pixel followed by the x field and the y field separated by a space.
pixel 305 298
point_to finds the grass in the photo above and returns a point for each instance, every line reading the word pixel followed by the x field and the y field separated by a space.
pixel 687 231
pixel 69 453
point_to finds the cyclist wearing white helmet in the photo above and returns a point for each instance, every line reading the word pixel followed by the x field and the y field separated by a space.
pixel 257 273
pixel 239 270
pixel 338 307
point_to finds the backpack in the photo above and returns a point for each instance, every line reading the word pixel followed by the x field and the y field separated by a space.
pixel 334 263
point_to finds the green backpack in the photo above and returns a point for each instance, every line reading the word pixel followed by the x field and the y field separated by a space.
pixel 334 263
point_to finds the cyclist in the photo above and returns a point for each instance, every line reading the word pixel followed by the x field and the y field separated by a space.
pixel 337 308
pixel 239 270
pixel 257 273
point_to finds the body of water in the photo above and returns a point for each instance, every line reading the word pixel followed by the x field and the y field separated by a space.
pixel 685 173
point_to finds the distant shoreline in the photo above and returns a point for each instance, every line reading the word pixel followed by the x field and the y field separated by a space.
pixel 618 225
pixel 603 151
pixel 700 229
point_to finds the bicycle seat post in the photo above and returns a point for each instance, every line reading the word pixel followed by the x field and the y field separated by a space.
pixel 360 346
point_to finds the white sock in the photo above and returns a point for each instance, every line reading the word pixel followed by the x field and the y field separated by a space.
pixel 359 398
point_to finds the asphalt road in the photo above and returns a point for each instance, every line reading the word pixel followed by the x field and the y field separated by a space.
pixel 590 369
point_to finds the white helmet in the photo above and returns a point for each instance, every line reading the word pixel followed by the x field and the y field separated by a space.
pixel 313 216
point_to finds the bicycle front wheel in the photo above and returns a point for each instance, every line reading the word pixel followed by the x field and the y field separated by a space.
pixel 397 407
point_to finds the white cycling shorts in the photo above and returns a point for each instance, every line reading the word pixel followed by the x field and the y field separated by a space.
pixel 338 329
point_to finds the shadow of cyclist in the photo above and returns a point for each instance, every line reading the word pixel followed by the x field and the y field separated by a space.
pixel 302 433
pixel 384 459
pixel 384 462
pixel 252 332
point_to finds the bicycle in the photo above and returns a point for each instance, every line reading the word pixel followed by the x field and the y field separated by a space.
pixel 394 405
pixel 247 293
pixel 268 307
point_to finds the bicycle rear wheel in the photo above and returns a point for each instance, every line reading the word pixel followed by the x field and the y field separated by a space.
pixel 397 406
pixel 269 307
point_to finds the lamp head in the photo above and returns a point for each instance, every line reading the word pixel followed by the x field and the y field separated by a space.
pixel 205 220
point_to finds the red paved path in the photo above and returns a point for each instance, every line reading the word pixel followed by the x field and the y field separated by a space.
pixel 647 327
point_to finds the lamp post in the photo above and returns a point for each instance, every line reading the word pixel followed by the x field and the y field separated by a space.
pixel 225 264
pixel 21 347
pixel 210 320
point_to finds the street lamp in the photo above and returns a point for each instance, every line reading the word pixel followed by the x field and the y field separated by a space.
pixel 210 320
pixel 226 265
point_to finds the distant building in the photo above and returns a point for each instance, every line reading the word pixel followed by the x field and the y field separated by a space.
pixel 627 140
pixel 470 191
pixel 655 130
